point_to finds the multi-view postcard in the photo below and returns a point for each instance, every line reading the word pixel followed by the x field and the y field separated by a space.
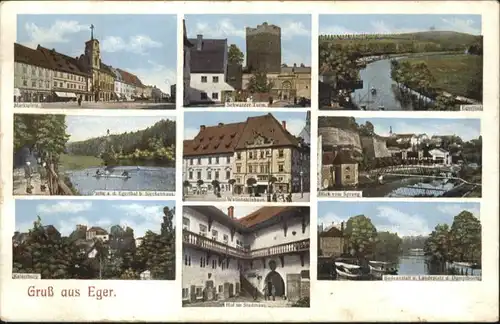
pixel 245 256
pixel 400 62
pixel 94 239
pixel 399 241
pixel 93 155
pixel 95 61
pixel 246 156
pixel 399 157
pixel 247 60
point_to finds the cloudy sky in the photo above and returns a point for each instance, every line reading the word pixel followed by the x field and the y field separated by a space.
pixel 295 121
pixel 84 127
pixel 295 32
pixel 387 24
pixel 145 45
pixel 466 128
pixel 66 214
pixel 404 218
pixel 240 211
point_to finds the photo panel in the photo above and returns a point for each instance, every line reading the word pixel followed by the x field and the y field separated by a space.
pixel 62 155
pixel 245 256
pixel 247 60
pixel 400 62
pixel 246 156
pixel 399 241
pixel 101 61
pixel 94 240
pixel 399 157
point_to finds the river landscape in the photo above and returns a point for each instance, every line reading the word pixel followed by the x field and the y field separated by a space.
pixel 129 154
pixel 416 62
pixel 398 239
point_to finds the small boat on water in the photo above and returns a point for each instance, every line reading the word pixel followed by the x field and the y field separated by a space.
pixel 380 268
pixel 381 108
pixel 346 271
pixel 471 265
pixel 111 176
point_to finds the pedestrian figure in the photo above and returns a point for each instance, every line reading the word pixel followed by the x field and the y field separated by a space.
pixel 80 100
pixel 273 292
pixel 28 171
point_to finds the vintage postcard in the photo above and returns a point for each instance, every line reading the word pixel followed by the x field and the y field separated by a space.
pixel 245 256
pixel 93 239
pixel 247 60
pixel 246 156
pixel 400 62
pixel 399 241
pixel 95 61
pixel 399 157
pixel 91 155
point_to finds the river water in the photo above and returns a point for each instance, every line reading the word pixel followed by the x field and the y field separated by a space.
pixel 141 179
pixel 409 187
pixel 378 75
pixel 416 265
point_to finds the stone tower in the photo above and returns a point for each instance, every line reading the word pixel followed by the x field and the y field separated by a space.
pixel 264 48
pixel 92 51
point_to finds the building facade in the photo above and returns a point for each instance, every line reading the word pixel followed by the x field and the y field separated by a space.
pixel 208 71
pixel 186 70
pixel 225 257
pixel 263 48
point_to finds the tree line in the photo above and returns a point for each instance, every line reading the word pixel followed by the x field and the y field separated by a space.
pixel 155 143
pixel 44 251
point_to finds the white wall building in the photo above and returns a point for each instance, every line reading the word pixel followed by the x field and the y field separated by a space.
pixel 225 257
pixel 208 60
pixel 440 156
pixel 98 233
pixel 208 168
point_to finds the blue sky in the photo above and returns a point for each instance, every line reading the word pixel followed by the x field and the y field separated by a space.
pixel 66 214
pixel 466 128
pixel 85 127
pixel 295 121
pixel 145 45
pixel 383 24
pixel 295 32
pixel 404 218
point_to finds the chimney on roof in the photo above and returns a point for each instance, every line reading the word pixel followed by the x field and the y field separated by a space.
pixel 283 123
pixel 230 212
pixel 202 128
pixel 199 42
pixel 221 124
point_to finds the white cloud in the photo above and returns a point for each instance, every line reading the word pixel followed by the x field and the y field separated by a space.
pixel 57 33
pixel 291 29
pixel 137 44
pixel 452 127
pixel 190 132
pixel 156 75
pixel 295 125
pixel 222 29
pixel 403 224
pixel 383 27
pixel 67 226
pixel 329 219
pixel 141 218
pixel 66 207
pixel 455 209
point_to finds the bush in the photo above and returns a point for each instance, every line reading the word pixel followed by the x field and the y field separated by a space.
pixel 303 302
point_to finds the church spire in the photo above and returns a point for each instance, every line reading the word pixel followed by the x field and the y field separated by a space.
pixel 91 31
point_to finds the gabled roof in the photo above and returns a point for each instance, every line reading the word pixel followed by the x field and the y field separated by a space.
pixel 23 54
pixel 130 78
pixel 262 215
pixel 333 231
pixel 268 127
pixel 63 63
pixel 343 157
pixel 210 58
pixel 98 230
pixel 219 139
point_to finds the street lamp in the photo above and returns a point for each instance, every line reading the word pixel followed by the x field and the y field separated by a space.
pixel 301 184
pixel 269 175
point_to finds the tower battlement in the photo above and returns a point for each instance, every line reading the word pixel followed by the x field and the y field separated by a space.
pixel 263 28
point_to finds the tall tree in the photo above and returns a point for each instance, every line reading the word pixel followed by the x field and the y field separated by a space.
pixel 235 55
pixel 361 235
pixel 259 83
pixel 465 237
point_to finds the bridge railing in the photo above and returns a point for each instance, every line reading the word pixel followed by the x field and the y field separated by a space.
pixel 56 185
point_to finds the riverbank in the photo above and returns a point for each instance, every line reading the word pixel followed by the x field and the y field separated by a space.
pixel 69 162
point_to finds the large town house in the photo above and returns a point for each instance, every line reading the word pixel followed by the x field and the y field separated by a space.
pixel 45 75
pixel 224 256
pixel 258 155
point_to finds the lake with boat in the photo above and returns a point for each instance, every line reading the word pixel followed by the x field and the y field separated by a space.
pixel 122 178
pixel 414 264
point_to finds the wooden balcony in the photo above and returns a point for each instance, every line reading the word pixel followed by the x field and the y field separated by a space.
pixel 199 241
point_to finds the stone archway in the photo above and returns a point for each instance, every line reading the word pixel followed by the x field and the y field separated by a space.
pixel 274 278
pixel 286 87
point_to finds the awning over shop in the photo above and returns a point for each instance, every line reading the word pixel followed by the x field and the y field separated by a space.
pixel 65 94
pixel 17 92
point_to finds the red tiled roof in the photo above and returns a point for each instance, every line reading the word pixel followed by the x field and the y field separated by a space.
pixel 61 62
pixel 261 215
pixel 268 127
pixel 222 138
pixel 98 230
pixel 23 54
pixel 130 78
